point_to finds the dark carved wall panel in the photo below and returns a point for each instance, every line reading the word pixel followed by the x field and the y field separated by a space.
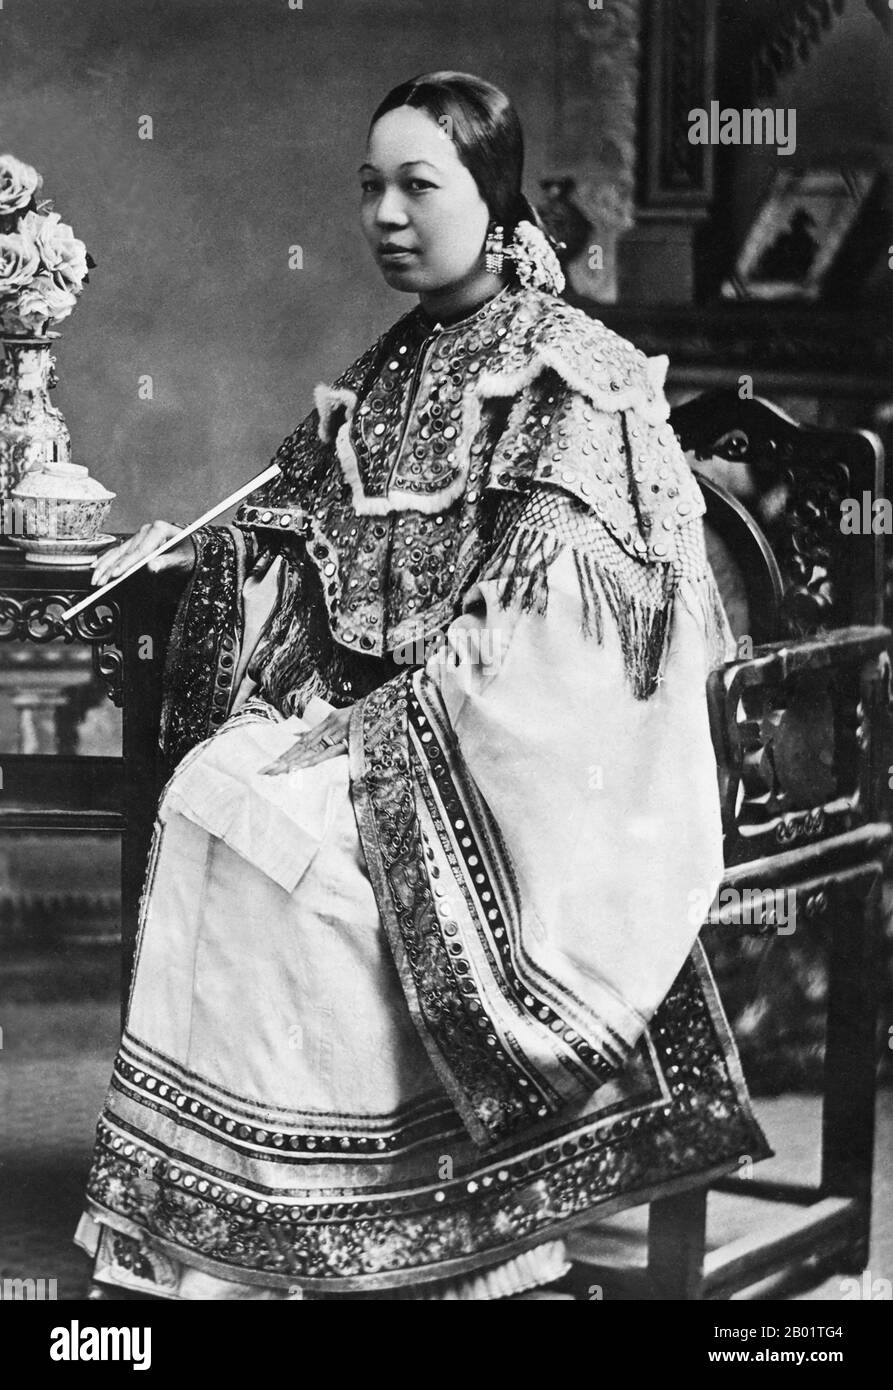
pixel 677 76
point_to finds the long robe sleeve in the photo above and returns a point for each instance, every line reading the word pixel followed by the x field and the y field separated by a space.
pixel 607 804
pixel 203 651
pixel 541 814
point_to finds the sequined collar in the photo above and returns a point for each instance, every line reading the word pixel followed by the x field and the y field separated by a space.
pixel 404 440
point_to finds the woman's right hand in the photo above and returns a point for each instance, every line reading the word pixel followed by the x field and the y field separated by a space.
pixel 143 542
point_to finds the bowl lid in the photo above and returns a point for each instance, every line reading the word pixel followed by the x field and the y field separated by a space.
pixel 70 483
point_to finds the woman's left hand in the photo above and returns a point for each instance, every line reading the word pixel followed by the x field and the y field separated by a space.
pixel 326 740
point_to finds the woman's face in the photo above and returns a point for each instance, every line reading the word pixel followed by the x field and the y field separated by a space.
pixel 422 212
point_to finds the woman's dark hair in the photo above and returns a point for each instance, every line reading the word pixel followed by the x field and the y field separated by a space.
pixel 485 129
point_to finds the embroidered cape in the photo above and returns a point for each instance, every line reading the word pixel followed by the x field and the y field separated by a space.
pixel 435 458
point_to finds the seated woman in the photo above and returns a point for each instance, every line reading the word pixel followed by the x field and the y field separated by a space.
pixel 417 984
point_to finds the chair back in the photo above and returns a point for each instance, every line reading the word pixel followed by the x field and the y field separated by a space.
pixel 793 481
pixel 803 594
pixel 745 569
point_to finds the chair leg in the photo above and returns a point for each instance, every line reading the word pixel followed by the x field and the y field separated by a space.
pixel 850 1054
pixel 677 1238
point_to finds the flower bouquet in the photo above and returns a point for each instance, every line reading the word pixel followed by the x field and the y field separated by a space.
pixel 43 265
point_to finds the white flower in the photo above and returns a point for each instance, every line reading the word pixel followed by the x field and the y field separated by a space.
pixel 19 262
pixel 18 184
pixel 537 265
pixel 64 256
pixel 42 300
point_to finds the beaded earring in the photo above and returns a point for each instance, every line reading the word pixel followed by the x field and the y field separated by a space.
pixel 495 249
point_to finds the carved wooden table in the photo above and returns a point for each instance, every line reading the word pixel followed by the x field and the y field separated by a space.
pixel 68 793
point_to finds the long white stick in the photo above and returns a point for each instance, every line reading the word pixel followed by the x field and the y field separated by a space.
pixel 203 520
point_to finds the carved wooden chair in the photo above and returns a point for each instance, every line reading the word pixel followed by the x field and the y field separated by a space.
pixel 800 730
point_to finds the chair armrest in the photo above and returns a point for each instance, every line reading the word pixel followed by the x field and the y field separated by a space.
pixel 800 731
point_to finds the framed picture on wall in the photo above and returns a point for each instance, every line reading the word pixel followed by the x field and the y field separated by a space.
pixel 798 234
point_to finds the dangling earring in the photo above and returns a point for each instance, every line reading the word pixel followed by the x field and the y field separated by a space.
pixel 495 250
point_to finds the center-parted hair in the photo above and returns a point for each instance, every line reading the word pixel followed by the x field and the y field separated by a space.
pixel 485 130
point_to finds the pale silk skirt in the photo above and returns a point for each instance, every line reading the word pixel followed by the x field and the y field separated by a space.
pixel 263 971
pixel 278 1080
